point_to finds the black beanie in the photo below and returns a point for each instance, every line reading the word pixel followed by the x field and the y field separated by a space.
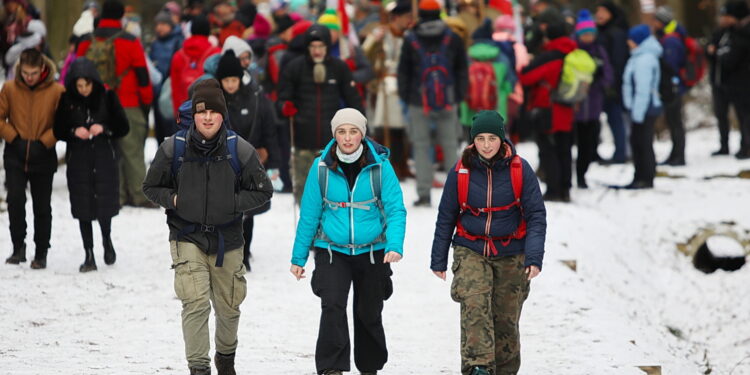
pixel 112 10
pixel 556 30
pixel 735 8
pixel 200 26
pixel 207 95
pixel 283 23
pixel 229 66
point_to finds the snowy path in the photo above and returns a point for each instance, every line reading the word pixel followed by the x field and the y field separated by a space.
pixel 607 318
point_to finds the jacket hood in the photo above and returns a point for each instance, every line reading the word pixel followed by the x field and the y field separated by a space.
pixel 196 46
pixel 49 67
pixel 563 44
pixel 743 27
pixel 377 153
pixel 81 68
pixel 211 64
pixel 318 32
pixel 649 46
pixel 237 45
pixel 483 51
pixel 431 29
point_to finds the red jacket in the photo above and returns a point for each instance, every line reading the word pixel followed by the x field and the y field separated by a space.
pixel 541 77
pixel 197 48
pixel 135 87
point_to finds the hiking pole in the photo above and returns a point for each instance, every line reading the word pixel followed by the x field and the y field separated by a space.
pixel 293 171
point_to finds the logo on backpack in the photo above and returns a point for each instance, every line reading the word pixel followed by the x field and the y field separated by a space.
pixel 102 54
pixel 576 78
pixel 436 80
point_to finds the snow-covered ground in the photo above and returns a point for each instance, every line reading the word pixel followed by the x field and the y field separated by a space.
pixel 634 300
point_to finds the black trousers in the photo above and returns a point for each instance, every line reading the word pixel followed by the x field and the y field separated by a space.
pixel 555 156
pixel 587 137
pixel 741 104
pixel 16 180
pixel 87 230
pixel 721 103
pixel 642 144
pixel 372 285
pixel 285 146
pixel 673 115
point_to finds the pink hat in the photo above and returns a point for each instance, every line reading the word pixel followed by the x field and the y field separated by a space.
pixel 262 27
pixel 504 22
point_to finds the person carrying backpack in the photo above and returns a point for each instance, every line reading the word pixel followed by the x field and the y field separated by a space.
pixel 552 120
pixel 206 178
pixel 493 214
pixel 353 216
pixel 187 63
pixel 640 94
pixel 672 36
pixel 121 64
pixel 587 125
pixel 432 81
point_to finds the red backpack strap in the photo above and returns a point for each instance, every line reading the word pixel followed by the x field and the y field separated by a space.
pixel 462 175
pixel 516 176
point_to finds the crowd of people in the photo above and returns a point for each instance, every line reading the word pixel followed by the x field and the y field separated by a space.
pixel 280 95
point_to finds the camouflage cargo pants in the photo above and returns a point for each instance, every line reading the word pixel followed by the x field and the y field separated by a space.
pixel 491 292
pixel 302 160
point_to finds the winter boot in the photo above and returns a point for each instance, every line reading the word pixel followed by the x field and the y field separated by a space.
pixel 109 251
pixel 333 372
pixel 368 373
pixel 479 370
pixel 224 363
pixel 19 255
pixel 40 259
pixel 89 264
pixel 200 370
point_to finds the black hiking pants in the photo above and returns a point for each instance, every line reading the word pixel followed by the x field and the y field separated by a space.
pixel 555 155
pixel 40 182
pixel 372 285
pixel 673 115
pixel 587 137
pixel 642 144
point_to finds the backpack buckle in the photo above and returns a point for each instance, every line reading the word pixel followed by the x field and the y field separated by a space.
pixel 208 228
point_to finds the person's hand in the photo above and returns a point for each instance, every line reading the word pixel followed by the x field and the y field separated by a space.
pixel 711 49
pixel 378 33
pixel 82 133
pixel 532 272
pixel 440 274
pixel 289 109
pixel 96 129
pixel 391 257
pixel 262 154
pixel 275 176
pixel 174 201
pixel 297 271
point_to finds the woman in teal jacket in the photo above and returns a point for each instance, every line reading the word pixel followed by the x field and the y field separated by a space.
pixel 352 214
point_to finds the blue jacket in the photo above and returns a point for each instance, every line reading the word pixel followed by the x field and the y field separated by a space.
pixel 502 222
pixel 350 225
pixel 674 51
pixel 162 50
pixel 640 82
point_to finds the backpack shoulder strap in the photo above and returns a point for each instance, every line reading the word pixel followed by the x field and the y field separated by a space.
pixel 376 181
pixel 179 151
pixel 516 176
pixel 323 177
pixel 462 175
pixel 234 160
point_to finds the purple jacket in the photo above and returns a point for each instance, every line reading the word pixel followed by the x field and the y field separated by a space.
pixel 592 107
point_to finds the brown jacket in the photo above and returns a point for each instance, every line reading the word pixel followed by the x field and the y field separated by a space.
pixel 30 113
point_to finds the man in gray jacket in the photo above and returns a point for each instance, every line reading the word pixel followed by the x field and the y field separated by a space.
pixel 206 178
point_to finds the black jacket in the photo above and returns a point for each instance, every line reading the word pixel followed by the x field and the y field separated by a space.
pixel 430 36
pixel 734 59
pixel 316 103
pixel 614 38
pixel 207 192
pixel 251 116
pixel 93 174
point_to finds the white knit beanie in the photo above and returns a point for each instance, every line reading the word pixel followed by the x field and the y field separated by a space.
pixel 349 116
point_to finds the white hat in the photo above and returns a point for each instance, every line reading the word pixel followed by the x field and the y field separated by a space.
pixel 349 116
pixel 237 45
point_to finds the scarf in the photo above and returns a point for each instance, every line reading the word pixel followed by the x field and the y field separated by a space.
pixel 349 158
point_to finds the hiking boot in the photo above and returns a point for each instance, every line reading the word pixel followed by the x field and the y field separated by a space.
pixel 552 197
pixel 422 202
pixel 109 251
pixel 742 154
pixel 368 373
pixel 582 183
pixel 722 151
pixel 333 372
pixel 89 264
pixel 479 370
pixel 18 256
pixel 638 185
pixel 224 364
pixel 40 259
pixel 200 370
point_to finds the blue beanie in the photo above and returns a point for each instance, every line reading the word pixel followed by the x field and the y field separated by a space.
pixel 639 33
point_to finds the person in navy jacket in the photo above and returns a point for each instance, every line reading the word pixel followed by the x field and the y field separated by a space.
pixel 353 215
pixel 498 246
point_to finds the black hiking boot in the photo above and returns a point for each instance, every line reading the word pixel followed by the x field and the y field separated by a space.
pixel 422 202
pixel 724 150
pixel 368 373
pixel 18 256
pixel 40 259
pixel 109 251
pixel 89 264
pixel 638 185
pixel 200 370
pixel 333 372
pixel 224 364
pixel 479 370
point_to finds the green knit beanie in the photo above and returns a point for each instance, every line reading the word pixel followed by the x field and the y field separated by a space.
pixel 487 122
